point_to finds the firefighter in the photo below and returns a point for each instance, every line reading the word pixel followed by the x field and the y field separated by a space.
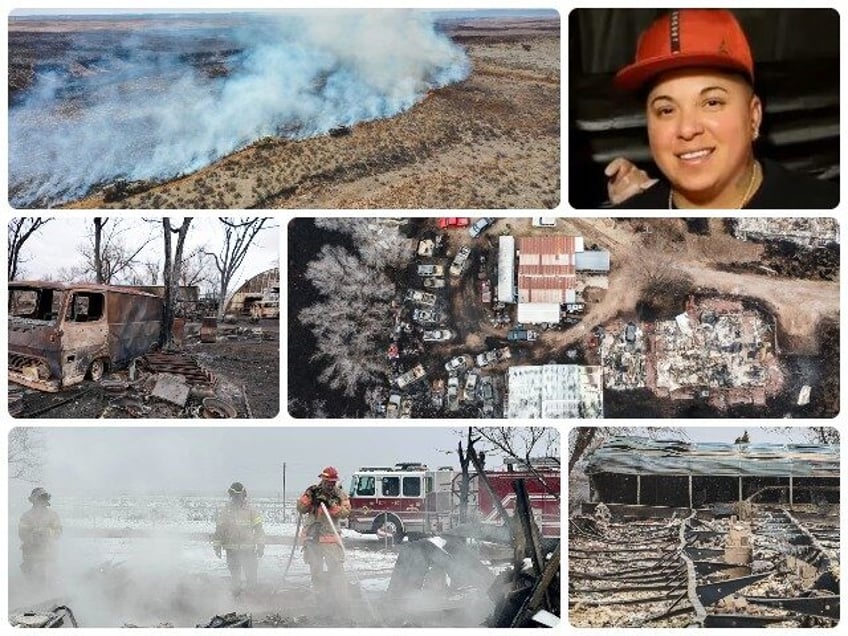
pixel 239 531
pixel 39 529
pixel 321 541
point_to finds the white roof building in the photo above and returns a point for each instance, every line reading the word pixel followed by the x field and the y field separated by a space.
pixel 506 269
pixel 555 391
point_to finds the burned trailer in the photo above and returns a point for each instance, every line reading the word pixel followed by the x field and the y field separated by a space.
pixel 673 473
pixel 62 333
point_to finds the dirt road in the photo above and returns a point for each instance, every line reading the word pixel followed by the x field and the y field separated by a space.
pixel 798 304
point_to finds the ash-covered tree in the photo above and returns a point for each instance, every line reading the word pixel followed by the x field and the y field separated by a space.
pixel 171 273
pixel 20 231
pixel 239 235
pixel 351 321
pixel 379 241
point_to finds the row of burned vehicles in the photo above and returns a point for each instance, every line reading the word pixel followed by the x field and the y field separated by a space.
pixel 469 386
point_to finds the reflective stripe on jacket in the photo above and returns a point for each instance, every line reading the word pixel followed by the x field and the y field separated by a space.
pixel 238 528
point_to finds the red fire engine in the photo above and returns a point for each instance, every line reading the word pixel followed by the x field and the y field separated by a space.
pixel 409 498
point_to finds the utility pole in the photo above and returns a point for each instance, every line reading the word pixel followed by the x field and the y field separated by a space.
pixel 284 491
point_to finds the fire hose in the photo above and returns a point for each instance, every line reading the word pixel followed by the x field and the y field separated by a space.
pixel 341 544
pixel 294 546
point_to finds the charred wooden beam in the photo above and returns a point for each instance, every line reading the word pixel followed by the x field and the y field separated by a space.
pixel 741 620
pixel 534 601
pixel 825 606
pixel 710 593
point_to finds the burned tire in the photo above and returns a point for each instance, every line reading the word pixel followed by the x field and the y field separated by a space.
pixel 388 524
pixel 97 369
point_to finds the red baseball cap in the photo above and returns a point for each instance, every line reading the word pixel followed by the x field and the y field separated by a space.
pixel 685 38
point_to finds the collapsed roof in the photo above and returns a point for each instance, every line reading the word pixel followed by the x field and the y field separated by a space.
pixel 644 456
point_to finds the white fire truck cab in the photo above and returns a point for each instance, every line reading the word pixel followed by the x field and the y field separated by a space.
pixel 410 498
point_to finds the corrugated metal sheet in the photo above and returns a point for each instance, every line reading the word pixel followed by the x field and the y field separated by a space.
pixel 643 456
pixel 506 269
pixel 545 268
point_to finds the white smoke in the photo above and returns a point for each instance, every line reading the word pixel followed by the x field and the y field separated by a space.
pixel 132 111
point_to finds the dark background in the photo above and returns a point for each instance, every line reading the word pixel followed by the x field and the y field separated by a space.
pixel 796 74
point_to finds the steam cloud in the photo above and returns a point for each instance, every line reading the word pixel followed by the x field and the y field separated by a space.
pixel 138 105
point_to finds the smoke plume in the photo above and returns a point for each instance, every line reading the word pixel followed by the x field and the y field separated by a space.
pixel 164 99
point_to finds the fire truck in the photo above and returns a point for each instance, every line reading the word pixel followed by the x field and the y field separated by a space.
pixel 409 498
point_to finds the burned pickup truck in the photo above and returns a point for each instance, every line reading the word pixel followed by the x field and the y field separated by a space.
pixel 61 333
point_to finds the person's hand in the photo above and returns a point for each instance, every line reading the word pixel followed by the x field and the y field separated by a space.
pixel 625 180
pixel 260 551
pixel 217 549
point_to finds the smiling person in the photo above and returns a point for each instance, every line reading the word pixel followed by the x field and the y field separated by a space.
pixel 695 70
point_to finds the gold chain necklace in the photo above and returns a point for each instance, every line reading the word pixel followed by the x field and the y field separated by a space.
pixel 748 192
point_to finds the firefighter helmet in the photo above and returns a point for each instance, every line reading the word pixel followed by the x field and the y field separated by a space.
pixel 237 489
pixel 39 493
pixel 330 474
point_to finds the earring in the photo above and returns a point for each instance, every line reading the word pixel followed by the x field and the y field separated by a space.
pixel 756 134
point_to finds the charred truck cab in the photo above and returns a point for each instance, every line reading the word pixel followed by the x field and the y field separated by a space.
pixel 410 498
pixel 61 333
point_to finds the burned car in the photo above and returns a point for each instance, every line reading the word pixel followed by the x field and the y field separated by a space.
pixel 62 333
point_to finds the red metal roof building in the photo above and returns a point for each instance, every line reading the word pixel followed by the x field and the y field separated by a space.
pixel 546 276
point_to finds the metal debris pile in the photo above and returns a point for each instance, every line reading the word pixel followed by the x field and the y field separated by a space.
pixel 166 384
pixel 769 570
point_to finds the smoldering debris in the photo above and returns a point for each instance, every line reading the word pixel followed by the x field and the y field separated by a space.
pixel 60 616
pixel 232 619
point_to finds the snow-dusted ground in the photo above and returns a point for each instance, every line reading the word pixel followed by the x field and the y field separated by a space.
pixel 148 561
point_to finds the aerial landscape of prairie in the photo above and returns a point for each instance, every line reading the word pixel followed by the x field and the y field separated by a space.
pixel 307 109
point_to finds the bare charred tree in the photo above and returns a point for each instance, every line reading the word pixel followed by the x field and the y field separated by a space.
pixel 238 237
pixel 582 439
pixel 20 231
pixel 99 222
pixel 194 270
pixel 25 454
pixel 107 257
pixel 351 321
pixel 824 435
pixel 524 444
pixel 171 278
pixel 465 479
pixel 152 271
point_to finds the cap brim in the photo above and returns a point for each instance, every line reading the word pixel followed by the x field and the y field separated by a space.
pixel 632 78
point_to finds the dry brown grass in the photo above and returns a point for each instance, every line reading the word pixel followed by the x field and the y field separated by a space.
pixel 492 141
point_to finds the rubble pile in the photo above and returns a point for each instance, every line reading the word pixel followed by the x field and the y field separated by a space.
pixel 804 231
pixel 623 350
pixel 171 385
pixel 716 346
pixel 626 574
pixel 771 570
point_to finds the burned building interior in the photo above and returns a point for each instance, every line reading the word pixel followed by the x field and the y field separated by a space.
pixel 706 534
